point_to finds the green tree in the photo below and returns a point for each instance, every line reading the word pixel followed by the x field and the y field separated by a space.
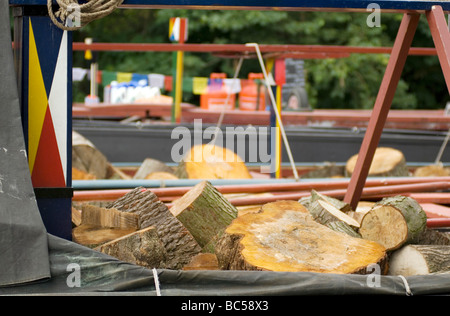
pixel 350 82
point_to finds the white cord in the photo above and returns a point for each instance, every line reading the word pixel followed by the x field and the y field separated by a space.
pixel 155 278
pixel 277 114
pixel 405 282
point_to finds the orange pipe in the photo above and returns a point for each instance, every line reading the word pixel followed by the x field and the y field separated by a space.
pixel 97 195
pixel 366 193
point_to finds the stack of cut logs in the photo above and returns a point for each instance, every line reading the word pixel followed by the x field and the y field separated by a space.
pixel 207 227
pixel 318 233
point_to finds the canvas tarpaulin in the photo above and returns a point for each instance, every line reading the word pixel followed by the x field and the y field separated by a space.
pixel 23 238
pixel 102 275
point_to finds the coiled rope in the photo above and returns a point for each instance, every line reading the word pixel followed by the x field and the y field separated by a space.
pixel 72 16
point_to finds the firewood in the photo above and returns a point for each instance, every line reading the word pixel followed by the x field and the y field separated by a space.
pixel 76 217
pixel 343 227
pixel 433 237
pixel 393 222
pixel 205 212
pixel 93 236
pixel 324 213
pixel 420 260
pixel 149 166
pixel 160 175
pixel 212 162
pixel 283 237
pixel 315 196
pixel 179 243
pixel 99 225
pixel 436 170
pixel 89 160
pixel 81 175
pixel 143 248
pixel 102 217
pixel 329 170
pixel 386 162
pixel 203 261
pixel 327 211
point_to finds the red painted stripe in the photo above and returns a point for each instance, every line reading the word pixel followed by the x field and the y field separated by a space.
pixel 48 171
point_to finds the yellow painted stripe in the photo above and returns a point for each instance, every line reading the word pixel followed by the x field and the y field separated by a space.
pixel 179 86
pixel 37 100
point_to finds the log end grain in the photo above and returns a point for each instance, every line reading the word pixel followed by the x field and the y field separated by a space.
pixel 280 238
pixel 386 162
pixel 385 225
pixel 212 162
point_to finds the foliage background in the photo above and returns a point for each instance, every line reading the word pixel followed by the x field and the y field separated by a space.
pixel 331 83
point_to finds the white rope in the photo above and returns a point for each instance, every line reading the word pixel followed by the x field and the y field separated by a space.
pixel 72 16
pixel 156 279
pixel 277 114
pixel 405 282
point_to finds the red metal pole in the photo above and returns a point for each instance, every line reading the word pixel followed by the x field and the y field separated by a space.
pixel 438 222
pixel 382 105
pixel 112 194
pixel 441 37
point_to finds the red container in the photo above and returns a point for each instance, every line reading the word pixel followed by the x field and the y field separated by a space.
pixel 250 99
pixel 216 95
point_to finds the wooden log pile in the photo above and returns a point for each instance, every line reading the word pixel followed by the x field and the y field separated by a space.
pixel 300 226
pixel 202 229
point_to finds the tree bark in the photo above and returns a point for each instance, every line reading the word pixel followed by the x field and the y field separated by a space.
pixel 420 260
pixel 149 166
pixel 143 248
pixel 284 237
pixel 205 212
pixel 180 245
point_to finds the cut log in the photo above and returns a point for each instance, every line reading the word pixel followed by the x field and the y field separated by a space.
pixel 160 175
pixel 386 162
pixel 143 248
pixel 434 237
pixel 81 175
pixel 329 170
pixel 361 209
pixel 180 245
pixel 99 225
pixel 102 217
pixel 432 171
pixel 385 225
pixel 76 217
pixel 149 166
pixel 343 227
pixel 88 159
pixel 203 261
pixel 324 213
pixel 212 162
pixel 286 238
pixel 205 212
pixel 420 260
pixel 93 236
pixel 340 205
pixel 393 222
